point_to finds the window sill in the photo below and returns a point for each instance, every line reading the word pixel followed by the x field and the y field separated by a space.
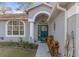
pixel 15 35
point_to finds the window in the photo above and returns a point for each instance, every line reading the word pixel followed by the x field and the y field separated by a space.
pixel 15 28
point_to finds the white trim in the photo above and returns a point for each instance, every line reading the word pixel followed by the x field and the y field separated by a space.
pixel 13 18
pixel 39 12
pixel 32 30
pixel 15 35
pixel 48 4
pixel 30 20
pixel 53 9
pixel 60 8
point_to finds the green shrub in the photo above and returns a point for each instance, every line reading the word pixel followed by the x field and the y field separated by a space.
pixel 25 44
pixel 21 43
pixel 32 46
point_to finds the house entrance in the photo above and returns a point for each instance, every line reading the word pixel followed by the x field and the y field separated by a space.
pixel 42 32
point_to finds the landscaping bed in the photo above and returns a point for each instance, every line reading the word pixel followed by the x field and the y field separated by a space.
pixel 53 46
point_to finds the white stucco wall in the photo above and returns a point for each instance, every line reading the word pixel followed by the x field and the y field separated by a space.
pixel 59 33
pixel 3 32
pixel 77 35
pixel 60 30
pixel 38 9
pixel 51 27
pixel 73 25
pixel 2 28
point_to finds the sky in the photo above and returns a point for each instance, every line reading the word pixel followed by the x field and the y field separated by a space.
pixel 13 5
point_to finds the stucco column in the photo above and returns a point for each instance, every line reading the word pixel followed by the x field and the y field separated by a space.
pixel 31 35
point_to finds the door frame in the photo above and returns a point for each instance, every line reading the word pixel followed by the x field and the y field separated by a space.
pixel 38 30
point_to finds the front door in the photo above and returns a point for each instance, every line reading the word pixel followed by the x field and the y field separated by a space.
pixel 42 32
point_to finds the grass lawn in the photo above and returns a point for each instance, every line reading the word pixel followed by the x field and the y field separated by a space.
pixel 16 52
pixel 11 49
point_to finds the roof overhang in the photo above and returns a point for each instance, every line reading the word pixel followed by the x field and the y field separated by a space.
pixel 5 19
pixel 20 16
pixel 50 6
pixel 56 10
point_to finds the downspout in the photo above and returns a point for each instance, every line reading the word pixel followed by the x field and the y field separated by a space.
pixel 64 10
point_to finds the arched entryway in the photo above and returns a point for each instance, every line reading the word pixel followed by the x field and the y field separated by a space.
pixel 41 26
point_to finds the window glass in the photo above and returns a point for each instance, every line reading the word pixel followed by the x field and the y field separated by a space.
pixel 15 27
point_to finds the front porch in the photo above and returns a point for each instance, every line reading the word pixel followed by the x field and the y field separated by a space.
pixel 56 28
pixel 39 27
pixel 39 30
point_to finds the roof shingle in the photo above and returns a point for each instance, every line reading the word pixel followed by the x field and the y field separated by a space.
pixel 13 16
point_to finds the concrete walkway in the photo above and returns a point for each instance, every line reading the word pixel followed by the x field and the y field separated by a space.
pixel 42 50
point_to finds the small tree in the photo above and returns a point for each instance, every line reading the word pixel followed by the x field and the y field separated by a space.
pixel 4 10
pixel 24 5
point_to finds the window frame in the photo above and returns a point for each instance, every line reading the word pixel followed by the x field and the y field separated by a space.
pixel 19 30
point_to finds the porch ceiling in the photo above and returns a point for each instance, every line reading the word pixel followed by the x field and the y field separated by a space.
pixel 41 17
pixel 64 4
